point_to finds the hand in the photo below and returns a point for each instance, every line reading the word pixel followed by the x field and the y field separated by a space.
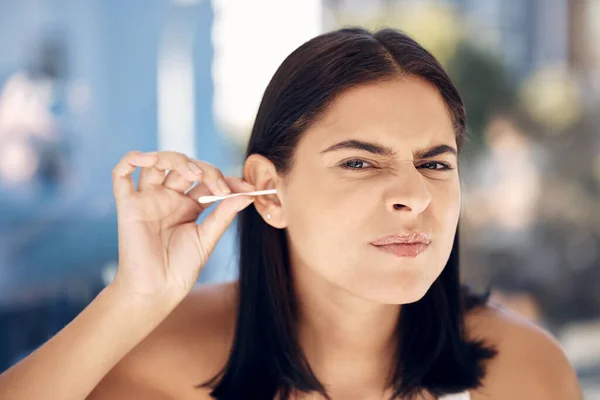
pixel 161 248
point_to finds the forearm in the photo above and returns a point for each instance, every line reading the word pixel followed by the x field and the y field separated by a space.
pixel 74 361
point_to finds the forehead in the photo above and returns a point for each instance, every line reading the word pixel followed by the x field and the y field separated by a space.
pixel 406 109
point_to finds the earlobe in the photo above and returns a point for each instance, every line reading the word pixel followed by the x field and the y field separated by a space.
pixel 274 221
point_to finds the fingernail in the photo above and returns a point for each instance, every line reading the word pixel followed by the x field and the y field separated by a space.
pixel 194 168
pixel 152 153
pixel 223 186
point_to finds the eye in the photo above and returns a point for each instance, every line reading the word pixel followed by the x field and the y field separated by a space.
pixel 436 165
pixel 355 164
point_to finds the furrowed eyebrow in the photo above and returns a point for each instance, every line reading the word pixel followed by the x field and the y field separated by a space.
pixel 436 151
pixel 381 150
pixel 360 145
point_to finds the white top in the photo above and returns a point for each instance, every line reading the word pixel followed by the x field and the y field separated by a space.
pixel 457 396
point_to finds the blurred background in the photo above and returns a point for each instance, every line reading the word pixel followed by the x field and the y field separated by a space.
pixel 82 82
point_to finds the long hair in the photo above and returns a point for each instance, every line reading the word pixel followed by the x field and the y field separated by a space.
pixel 266 359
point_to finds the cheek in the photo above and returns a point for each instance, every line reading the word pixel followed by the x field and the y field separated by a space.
pixel 446 211
pixel 325 220
pixel 320 206
pixel 325 231
pixel 446 200
pixel 450 211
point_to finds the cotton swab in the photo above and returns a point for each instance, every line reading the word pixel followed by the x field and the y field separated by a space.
pixel 210 199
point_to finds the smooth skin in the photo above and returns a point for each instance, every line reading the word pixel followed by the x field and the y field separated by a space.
pixel 151 334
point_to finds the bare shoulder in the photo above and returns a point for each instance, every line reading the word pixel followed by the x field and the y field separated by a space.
pixel 188 348
pixel 530 363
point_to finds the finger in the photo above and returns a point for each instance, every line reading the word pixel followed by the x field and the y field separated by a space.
pixel 213 178
pixel 217 222
pixel 150 177
pixel 193 170
pixel 178 182
pixel 174 161
pixel 166 160
pixel 200 190
pixel 121 175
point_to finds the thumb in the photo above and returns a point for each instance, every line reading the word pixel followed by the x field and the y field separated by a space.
pixel 217 222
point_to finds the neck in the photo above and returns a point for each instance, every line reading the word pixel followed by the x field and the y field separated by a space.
pixel 346 339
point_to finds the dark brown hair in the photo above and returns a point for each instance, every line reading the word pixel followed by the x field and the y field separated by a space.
pixel 433 353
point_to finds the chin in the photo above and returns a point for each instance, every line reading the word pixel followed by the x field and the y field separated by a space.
pixel 402 282
pixel 404 296
pixel 404 292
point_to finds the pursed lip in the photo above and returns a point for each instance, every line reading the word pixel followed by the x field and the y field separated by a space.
pixel 403 238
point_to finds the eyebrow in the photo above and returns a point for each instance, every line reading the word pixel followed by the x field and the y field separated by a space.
pixel 378 149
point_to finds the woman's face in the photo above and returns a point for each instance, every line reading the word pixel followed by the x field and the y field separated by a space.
pixel 336 202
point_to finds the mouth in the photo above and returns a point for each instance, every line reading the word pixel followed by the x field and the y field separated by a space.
pixel 404 244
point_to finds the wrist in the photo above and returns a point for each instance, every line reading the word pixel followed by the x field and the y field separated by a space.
pixel 159 303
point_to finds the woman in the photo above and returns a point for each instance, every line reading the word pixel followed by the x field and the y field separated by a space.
pixel 349 284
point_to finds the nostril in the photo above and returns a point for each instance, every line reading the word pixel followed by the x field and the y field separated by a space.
pixel 399 206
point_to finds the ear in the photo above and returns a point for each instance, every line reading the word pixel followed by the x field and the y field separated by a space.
pixel 260 172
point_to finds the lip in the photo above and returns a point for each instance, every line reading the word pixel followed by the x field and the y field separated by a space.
pixel 404 249
pixel 403 238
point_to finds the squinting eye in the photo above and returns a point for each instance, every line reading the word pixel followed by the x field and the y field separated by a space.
pixel 435 164
pixel 356 164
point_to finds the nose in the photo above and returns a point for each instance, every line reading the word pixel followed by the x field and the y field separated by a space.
pixel 409 192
